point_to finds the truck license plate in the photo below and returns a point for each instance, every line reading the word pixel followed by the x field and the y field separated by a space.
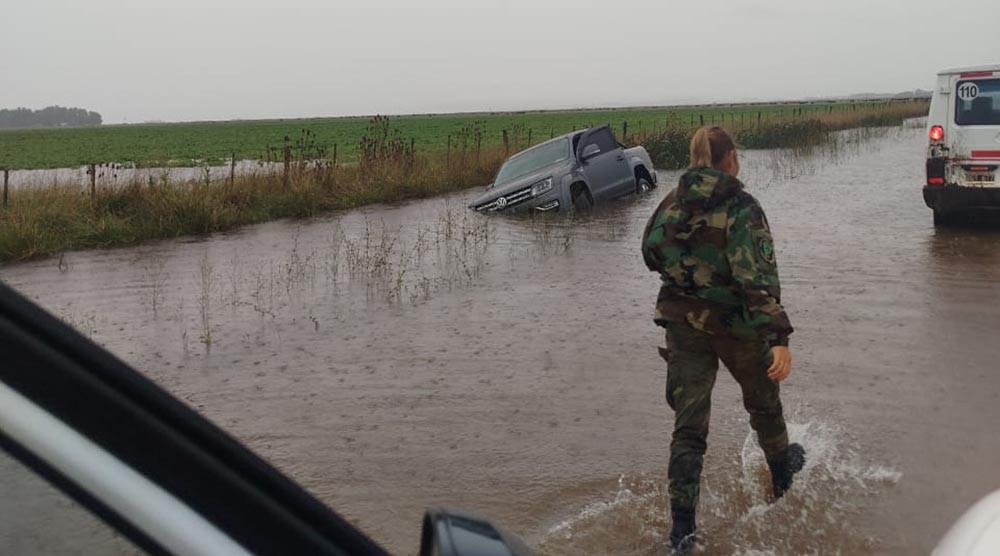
pixel 980 178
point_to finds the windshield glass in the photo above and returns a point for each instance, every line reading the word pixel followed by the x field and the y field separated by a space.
pixel 533 159
pixel 978 102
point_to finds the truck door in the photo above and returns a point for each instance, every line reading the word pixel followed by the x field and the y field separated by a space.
pixel 604 163
pixel 975 125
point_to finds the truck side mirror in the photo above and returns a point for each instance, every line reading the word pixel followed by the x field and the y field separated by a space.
pixel 590 151
pixel 458 533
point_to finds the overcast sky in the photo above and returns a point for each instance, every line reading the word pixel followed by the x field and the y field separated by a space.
pixel 136 60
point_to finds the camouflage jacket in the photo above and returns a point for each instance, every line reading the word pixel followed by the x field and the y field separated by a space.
pixel 711 244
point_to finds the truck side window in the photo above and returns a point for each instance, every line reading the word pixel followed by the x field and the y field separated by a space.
pixel 603 139
pixel 977 102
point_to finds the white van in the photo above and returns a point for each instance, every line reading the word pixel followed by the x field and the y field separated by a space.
pixel 964 150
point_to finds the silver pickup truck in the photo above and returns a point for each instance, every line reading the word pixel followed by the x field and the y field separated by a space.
pixel 574 170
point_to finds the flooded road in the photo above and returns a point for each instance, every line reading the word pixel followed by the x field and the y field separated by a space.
pixel 405 356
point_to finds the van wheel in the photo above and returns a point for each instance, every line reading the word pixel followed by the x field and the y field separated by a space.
pixel 581 198
pixel 642 185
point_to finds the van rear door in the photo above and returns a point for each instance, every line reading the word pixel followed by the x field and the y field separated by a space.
pixel 975 126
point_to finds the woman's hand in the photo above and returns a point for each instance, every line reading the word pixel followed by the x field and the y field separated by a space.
pixel 782 365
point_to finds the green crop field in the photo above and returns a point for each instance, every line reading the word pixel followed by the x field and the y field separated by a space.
pixel 195 143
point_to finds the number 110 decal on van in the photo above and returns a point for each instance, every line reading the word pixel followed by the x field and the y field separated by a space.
pixel 963 153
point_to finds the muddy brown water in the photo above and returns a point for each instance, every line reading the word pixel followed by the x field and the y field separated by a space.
pixel 399 357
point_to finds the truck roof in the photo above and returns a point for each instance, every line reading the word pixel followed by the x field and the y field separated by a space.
pixel 994 67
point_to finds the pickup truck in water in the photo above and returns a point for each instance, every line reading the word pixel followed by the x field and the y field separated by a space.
pixel 575 171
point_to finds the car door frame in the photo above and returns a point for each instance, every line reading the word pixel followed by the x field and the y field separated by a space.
pixel 55 370
pixel 613 160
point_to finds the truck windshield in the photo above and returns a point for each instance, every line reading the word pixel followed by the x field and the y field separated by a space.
pixel 977 102
pixel 532 159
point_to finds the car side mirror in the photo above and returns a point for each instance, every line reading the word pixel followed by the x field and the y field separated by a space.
pixel 458 533
pixel 590 151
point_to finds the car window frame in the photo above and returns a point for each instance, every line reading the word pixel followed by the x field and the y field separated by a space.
pixel 86 388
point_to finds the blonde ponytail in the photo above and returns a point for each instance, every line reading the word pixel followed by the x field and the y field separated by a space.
pixel 709 146
pixel 701 149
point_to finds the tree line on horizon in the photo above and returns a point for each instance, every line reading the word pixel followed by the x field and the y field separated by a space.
pixel 51 116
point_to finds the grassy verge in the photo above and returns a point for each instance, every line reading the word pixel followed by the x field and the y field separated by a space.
pixel 669 148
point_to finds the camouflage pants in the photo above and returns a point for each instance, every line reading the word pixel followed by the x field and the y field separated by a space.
pixel 692 362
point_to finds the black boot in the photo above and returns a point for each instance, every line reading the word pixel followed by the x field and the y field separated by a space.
pixel 682 536
pixel 783 470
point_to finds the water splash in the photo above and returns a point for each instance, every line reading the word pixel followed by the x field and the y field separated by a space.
pixel 623 498
pixel 818 516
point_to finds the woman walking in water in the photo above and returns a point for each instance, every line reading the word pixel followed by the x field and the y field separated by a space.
pixel 720 299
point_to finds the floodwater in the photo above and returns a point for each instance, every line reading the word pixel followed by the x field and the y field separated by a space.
pixel 404 356
pixel 116 175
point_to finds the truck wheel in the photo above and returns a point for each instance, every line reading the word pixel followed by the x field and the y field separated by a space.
pixel 581 198
pixel 642 185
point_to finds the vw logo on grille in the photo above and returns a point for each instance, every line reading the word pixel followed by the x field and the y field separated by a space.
pixel 502 202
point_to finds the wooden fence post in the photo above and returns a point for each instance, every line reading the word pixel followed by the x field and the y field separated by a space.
pixel 529 136
pixel 624 130
pixel 335 154
pixel 506 144
pixel 6 180
pixel 92 170
pixel 701 118
pixel 447 153
pixel 232 171
pixel 287 154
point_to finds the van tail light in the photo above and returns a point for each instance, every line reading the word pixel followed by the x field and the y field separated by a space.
pixel 935 171
pixel 937 133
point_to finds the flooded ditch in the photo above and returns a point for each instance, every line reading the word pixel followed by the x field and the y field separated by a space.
pixel 403 356
pixel 110 176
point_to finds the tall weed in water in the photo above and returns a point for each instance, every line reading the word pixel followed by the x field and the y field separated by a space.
pixel 206 279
